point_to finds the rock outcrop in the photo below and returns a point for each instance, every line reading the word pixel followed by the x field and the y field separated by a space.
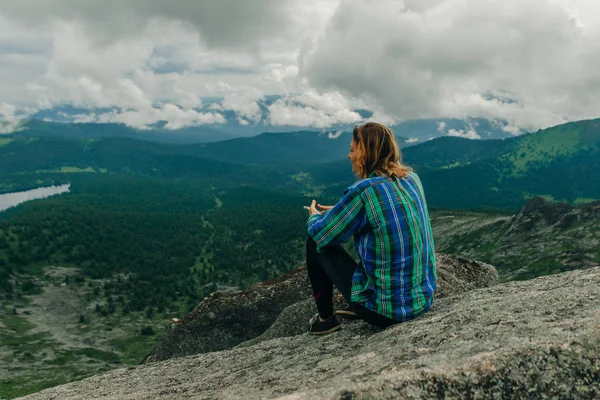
pixel 223 321
pixel 541 239
pixel 538 213
pixel 531 339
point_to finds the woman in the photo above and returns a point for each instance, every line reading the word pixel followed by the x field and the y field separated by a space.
pixel 386 212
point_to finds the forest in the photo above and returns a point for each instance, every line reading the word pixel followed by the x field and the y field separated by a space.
pixel 158 244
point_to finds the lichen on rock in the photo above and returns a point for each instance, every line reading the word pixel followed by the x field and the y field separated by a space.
pixel 531 339
pixel 279 307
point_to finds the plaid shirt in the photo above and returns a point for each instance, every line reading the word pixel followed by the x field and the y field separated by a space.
pixel 392 235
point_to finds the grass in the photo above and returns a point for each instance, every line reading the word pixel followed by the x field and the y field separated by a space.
pixel 134 347
pixel 72 356
pixel 5 141
pixel 23 385
pixel 305 180
pixel 99 355
pixel 455 165
pixel 549 144
pixel 17 324
pixel 547 197
pixel 71 170
pixel 583 200
pixel 543 267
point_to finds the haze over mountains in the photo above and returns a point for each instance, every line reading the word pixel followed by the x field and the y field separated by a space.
pixel 101 122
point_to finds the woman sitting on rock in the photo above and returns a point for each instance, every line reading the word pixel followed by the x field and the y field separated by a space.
pixel 386 213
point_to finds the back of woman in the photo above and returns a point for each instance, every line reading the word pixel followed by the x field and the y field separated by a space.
pixel 397 276
pixel 386 212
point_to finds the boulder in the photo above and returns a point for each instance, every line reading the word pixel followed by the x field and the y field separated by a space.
pixel 520 340
pixel 223 321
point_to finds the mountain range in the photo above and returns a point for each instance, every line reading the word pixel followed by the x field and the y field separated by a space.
pixel 558 163
pixel 59 121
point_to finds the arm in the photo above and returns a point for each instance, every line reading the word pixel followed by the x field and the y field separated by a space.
pixel 336 225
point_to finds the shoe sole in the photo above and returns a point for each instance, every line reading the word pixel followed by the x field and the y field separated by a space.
pixel 346 314
pixel 335 328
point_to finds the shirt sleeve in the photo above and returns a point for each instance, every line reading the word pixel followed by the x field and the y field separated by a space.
pixel 336 225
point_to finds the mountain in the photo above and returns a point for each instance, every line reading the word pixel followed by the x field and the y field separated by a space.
pixel 198 134
pixel 463 173
pixel 304 147
pixel 559 163
pixel 542 238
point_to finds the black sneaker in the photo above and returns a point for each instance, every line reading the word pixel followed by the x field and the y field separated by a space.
pixel 346 313
pixel 316 327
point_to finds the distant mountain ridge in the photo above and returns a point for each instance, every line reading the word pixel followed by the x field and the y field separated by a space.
pixel 93 130
pixel 559 163
pixel 236 125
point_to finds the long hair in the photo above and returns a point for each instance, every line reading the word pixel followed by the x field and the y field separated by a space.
pixel 379 152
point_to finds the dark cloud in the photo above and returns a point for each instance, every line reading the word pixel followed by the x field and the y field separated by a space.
pixel 221 23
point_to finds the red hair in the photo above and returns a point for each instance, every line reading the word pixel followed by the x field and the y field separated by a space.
pixel 379 152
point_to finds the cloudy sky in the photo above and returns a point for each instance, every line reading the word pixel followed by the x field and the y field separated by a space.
pixel 531 63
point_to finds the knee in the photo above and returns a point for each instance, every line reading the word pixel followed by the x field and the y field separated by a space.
pixel 310 243
pixel 311 246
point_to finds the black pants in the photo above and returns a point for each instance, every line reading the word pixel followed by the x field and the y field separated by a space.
pixel 334 266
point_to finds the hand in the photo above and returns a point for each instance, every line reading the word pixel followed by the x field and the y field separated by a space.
pixel 324 208
pixel 313 209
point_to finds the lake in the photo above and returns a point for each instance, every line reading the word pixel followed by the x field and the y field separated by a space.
pixel 9 200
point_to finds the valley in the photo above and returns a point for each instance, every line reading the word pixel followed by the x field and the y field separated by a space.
pixel 90 279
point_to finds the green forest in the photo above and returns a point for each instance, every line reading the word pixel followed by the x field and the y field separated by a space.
pixel 166 244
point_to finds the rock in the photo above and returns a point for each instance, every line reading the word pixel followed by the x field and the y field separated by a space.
pixel 223 321
pixel 456 275
pixel 532 339
pixel 539 211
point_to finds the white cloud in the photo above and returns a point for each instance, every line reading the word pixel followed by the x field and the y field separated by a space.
pixel 175 117
pixel 469 133
pixel 9 119
pixel 223 23
pixel 245 106
pixel 283 112
pixel 411 140
pixel 136 55
pixel 528 63
pixel 448 58
pixel 334 135
pixel 441 126
pixel 329 102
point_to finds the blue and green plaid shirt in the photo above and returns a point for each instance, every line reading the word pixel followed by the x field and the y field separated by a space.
pixel 392 234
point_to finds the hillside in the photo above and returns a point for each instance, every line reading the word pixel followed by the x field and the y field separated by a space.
pixel 38 129
pixel 541 239
pixel 152 261
pixel 301 147
pixel 558 163
pixel 90 279
pixel 33 162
